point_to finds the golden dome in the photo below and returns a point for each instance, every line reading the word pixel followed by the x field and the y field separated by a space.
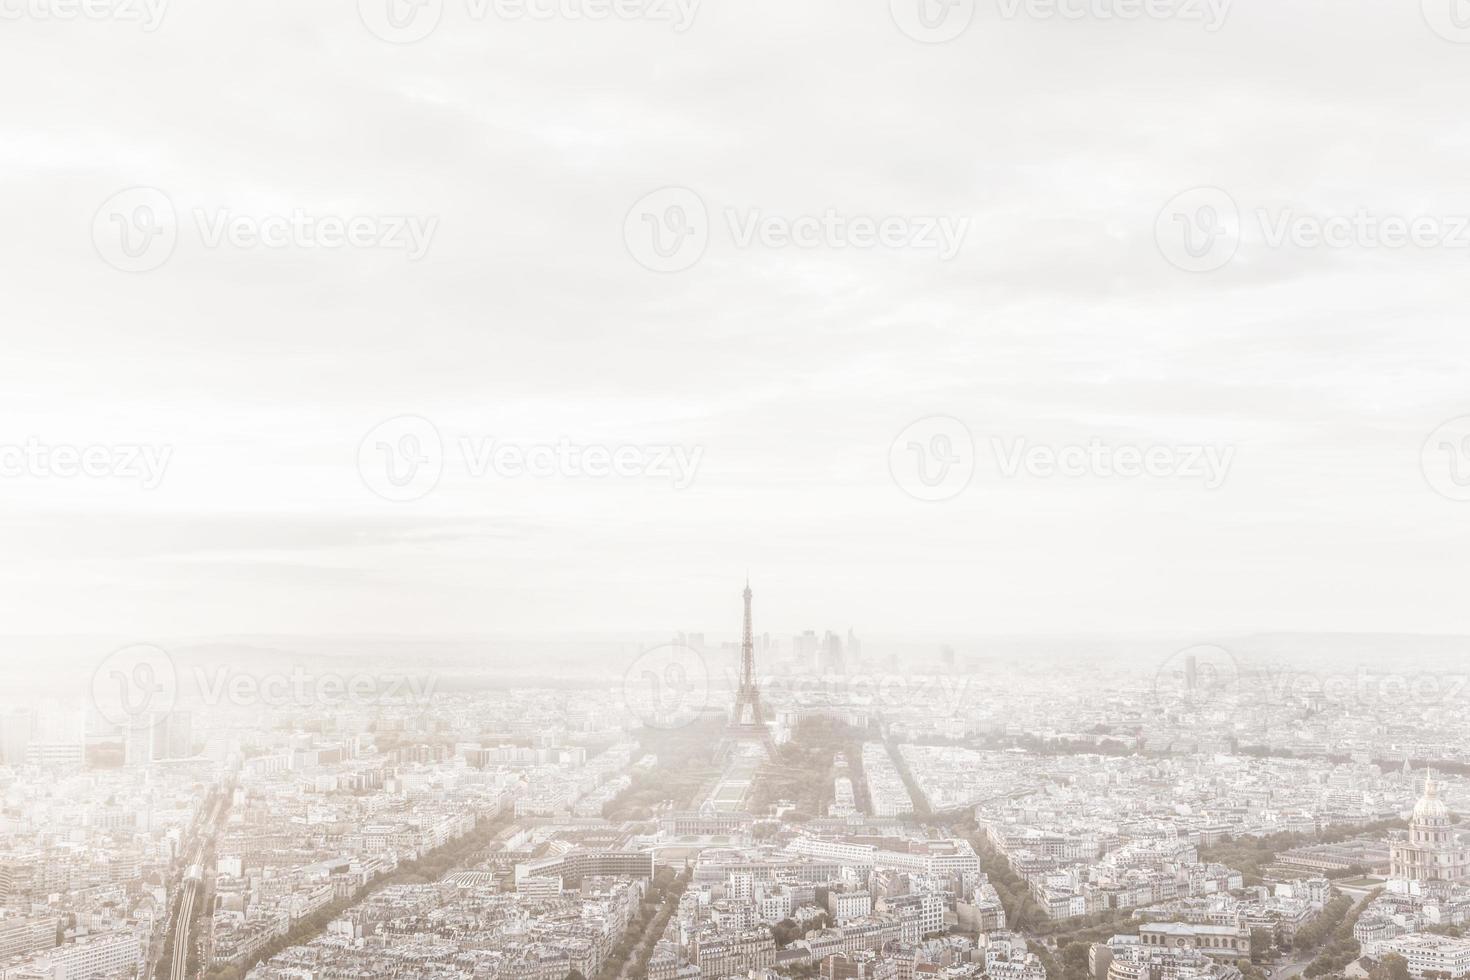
pixel 1430 806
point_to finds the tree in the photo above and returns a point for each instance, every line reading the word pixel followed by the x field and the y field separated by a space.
pixel 1249 970
pixel 1048 961
pixel 1391 967
pixel 1074 962
pixel 785 933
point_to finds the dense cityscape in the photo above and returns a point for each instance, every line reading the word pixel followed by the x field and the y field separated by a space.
pixel 734 490
pixel 767 808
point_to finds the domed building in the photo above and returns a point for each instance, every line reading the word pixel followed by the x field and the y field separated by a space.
pixel 1432 851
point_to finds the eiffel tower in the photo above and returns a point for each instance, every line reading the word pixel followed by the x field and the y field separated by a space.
pixel 747 728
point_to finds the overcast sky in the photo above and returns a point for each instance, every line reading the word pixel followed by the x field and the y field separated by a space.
pixel 522 148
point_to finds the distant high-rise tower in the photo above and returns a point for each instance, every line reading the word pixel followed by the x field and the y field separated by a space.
pixel 747 721
pixel 804 649
pixel 175 736
pixel 832 659
pixel 16 728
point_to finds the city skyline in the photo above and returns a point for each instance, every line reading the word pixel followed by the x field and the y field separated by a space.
pixel 734 490
pixel 291 813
